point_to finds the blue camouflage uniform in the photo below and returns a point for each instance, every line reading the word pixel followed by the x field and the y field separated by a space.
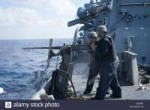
pixel 106 57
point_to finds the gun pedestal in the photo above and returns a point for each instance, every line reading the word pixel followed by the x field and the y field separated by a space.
pixel 131 67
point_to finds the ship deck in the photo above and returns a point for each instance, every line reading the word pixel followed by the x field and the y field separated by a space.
pixel 129 92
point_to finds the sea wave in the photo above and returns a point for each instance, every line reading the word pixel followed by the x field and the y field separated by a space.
pixel 19 67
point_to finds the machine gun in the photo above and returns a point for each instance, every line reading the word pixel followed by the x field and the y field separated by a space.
pixel 63 50
pixel 72 47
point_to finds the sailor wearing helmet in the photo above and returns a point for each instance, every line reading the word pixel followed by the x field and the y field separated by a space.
pixel 107 60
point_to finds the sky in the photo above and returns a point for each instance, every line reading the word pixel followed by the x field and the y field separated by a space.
pixel 37 19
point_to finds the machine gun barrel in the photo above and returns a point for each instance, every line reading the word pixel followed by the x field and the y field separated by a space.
pixel 55 47
pixel 73 47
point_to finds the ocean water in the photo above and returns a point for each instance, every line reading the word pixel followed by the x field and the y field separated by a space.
pixel 19 67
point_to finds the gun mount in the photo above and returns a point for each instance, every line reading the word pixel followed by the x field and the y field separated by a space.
pixel 88 13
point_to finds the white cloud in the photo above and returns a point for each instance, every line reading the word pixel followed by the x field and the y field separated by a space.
pixel 37 19
pixel 62 7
